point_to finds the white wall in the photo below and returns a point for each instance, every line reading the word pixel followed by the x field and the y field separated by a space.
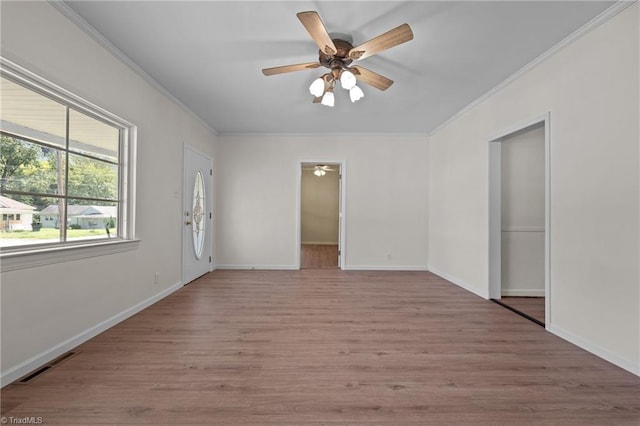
pixel 386 204
pixel 44 307
pixel 590 87
pixel 320 204
pixel 522 192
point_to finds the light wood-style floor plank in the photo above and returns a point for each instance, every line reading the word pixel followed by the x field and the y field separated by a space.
pixel 532 306
pixel 318 256
pixel 328 347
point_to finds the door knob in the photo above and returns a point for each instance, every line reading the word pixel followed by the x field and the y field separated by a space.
pixel 188 222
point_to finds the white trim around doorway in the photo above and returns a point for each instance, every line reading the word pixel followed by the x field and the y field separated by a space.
pixel 494 208
pixel 342 214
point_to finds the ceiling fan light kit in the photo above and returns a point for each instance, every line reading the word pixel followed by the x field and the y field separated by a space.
pixel 328 99
pixel 337 55
pixel 323 87
pixel 317 87
pixel 355 94
pixel 321 170
pixel 347 79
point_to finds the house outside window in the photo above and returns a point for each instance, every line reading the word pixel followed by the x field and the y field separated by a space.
pixel 65 167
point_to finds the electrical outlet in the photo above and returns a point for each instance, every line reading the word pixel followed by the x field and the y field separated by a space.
pixel 156 278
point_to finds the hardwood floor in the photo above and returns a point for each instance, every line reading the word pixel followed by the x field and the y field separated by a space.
pixel 532 306
pixel 316 256
pixel 328 347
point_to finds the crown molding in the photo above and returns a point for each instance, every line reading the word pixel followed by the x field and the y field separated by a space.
pixel 81 23
pixel 412 135
pixel 606 15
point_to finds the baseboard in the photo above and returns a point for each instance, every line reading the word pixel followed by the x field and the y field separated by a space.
pixel 319 243
pixel 624 363
pixel 346 268
pixel 482 293
pixel 14 373
pixel 524 292
pixel 259 267
pixel 384 268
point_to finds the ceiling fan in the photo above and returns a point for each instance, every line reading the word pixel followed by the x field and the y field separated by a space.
pixel 337 54
pixel 320 169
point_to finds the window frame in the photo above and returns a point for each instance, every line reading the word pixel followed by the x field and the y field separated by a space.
pixel 18 257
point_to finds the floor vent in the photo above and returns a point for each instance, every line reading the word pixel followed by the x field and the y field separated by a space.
pixel 61 358
pixel 29 377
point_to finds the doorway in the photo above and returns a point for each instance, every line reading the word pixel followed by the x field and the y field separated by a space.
pixel 519 221
pixel 321 218
pixel 197 215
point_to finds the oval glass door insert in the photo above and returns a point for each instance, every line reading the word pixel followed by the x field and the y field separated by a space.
pixel 198 225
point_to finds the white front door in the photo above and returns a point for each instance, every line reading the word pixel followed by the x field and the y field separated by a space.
pixel 197 215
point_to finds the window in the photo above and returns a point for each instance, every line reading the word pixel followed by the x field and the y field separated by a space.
pixel 64 168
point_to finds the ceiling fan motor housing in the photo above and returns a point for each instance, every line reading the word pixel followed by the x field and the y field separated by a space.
pixel 340 59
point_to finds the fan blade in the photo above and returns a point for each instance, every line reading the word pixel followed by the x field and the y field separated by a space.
pixel 317 99
pixel 318 32
pixel 290 68
pixel 383 42
pixel 371 78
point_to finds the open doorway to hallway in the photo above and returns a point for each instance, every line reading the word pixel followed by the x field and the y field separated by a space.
pixel 320 216
pixel 523 229
pixel 519 219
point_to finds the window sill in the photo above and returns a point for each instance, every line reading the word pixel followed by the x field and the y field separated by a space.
pixel 11 261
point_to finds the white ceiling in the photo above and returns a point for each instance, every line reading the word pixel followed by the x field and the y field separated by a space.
pixel 209 55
